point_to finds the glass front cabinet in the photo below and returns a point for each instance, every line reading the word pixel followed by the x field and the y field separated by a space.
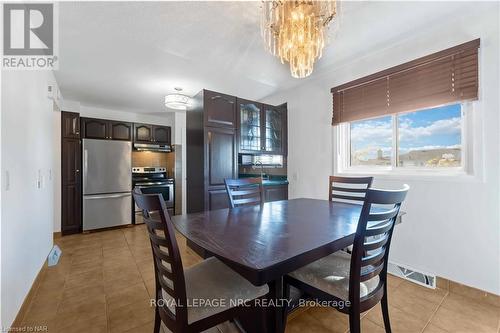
pixel 262 128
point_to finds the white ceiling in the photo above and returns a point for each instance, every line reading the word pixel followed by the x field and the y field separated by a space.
pixel 128 55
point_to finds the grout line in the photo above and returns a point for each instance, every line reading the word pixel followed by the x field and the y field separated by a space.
pixel 435 311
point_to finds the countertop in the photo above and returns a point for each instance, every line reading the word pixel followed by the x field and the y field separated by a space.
pixel 271 181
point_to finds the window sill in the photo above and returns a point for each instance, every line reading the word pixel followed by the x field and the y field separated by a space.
pixel 419 175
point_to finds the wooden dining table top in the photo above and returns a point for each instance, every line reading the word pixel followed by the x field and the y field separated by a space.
pixel 265 242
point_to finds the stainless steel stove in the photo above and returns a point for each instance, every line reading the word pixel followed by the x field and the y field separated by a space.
pixel 152 180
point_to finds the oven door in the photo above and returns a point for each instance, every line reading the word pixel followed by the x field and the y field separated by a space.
pixel 166 190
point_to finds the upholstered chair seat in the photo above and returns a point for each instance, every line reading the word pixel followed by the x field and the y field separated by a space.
pixel 331 275
pixel 213 281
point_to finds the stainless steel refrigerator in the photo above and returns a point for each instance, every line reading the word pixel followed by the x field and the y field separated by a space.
pixel 107 183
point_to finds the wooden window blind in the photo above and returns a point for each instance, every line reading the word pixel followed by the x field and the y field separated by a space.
pixel 444 77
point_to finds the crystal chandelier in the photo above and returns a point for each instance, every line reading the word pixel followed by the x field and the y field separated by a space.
pixel 295 31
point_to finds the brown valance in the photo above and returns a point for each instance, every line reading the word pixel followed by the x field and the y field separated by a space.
pixel 444 77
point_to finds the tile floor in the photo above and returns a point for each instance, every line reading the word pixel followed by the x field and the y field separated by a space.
pixel 104 281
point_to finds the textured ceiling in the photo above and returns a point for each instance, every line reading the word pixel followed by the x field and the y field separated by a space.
pixel 128 55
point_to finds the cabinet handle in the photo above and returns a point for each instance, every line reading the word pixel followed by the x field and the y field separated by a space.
pixel 77 170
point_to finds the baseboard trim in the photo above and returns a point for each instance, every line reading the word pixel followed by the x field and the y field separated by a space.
pixel 29 297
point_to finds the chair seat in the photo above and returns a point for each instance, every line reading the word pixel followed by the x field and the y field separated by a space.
pixel 331 275
pixel 213 281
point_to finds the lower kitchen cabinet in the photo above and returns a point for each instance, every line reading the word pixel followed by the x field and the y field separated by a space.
pixel 275 193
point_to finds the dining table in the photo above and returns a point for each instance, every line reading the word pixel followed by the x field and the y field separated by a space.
pixel 265 242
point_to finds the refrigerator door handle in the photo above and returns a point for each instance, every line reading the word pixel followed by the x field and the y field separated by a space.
pixel 106 196
pixel 85 166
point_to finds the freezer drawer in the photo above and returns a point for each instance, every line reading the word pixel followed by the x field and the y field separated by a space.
pixel 106 210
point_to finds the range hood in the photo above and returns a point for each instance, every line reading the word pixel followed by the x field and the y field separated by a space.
pixel 153 147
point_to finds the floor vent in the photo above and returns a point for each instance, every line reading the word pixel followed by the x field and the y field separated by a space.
pixel 413 275
pixel 54 256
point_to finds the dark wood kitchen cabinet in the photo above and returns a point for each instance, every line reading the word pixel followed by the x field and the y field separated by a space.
pixel 93 128
pixel 70 124
pixel 212 152
pixel 275 193
pixel 219 109
pixel 71 178
pixel 262 128
pixel 146 133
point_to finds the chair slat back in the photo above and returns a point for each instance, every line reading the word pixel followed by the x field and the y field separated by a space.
pixel 245 191
pixel 169 273
pixel 370 251
pixel 349 189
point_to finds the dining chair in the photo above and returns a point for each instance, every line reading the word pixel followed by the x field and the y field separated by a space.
pixel 349 189
pixel 244 191
pixel 177 290
pixel 359 278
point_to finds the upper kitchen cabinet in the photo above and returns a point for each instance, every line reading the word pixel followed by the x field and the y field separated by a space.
pixel 94 128
pixel 262 128
pixel 104 129
pixel 274 129
pixel 219 109
pixel 162 134
pixel 70 125
pixel 120 130
pixel 250 125
pixel 145 133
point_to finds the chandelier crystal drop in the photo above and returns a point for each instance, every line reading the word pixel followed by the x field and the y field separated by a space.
pixel 296 31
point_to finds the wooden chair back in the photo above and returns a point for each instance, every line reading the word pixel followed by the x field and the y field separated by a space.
pixel 169 273
pixel 370 251
pixel 349 188
pixel 245 191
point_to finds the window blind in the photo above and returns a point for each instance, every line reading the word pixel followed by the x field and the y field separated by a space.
pixel 444 77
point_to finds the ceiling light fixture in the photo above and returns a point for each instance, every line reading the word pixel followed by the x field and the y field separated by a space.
pixel 296 31
pixel 177 101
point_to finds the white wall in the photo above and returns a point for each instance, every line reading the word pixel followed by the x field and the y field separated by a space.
pixel 27 211
pixel 452 226
pixel 166 119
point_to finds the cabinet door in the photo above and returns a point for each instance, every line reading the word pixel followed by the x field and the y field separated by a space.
pixel 70 124
pixel 120 130
pixel 143 133
pixel 71 210
pixel 217 199
pixel 221 157
pixel 71 186
pixel 250 126
pixel 276 193
pixel 220 110
pixel 95 128
pixel 273 128
pixel 161 134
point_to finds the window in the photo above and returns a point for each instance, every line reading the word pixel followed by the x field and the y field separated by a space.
pixel 424 139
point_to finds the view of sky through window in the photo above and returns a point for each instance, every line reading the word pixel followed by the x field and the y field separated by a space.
pixel 426 138
pixel 371 142
pixel 431 138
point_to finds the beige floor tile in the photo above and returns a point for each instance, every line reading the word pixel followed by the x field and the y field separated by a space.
pixel 148 327
pixel 122 272
pixel 434 329
pixel 304 323
pixel 136 293
pixel 410 302
pixel 117 252
pixel 79 310
pixel 393 281
pixel 401 322
pixel 130 316
pixel 151 287
pixel 331 318
pixel 93 325
pixel 459 314
pixel 84 291
pixel 367 326
pixel 122 282
pixel 85 266
pixel 432 295
pixel 90 277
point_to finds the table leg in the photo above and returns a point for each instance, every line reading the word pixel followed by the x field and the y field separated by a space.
pixel 276 313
